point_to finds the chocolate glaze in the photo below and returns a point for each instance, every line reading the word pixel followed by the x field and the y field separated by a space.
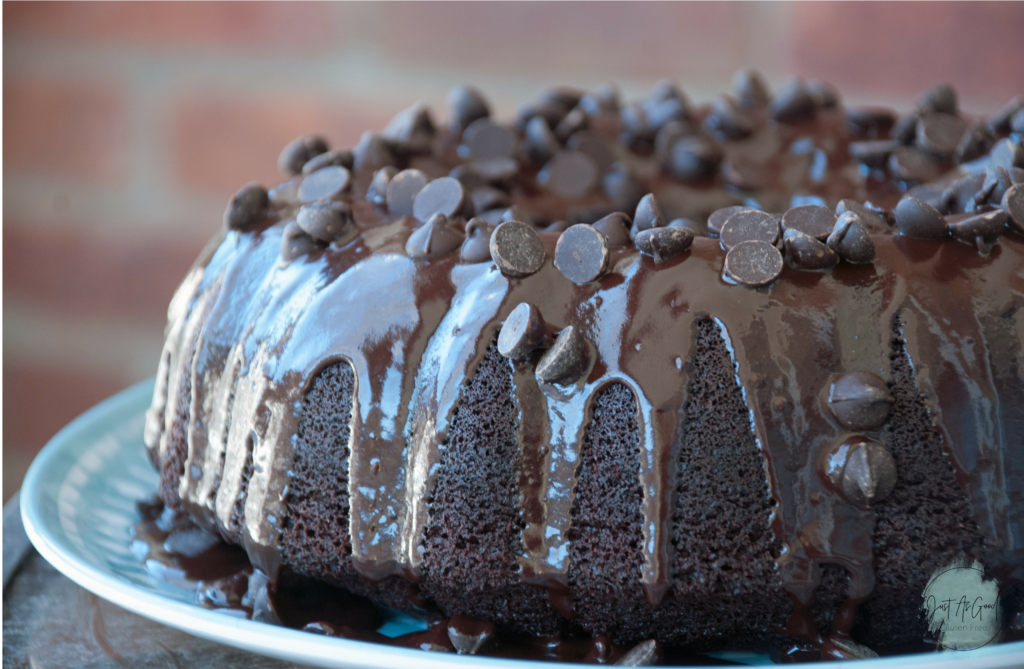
pixel 257 332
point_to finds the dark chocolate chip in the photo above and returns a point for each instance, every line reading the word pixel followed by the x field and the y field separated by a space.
pixel 434 239
pixel 1017 122
pixel 647 215
pixel 870 122
pixel 249 206
pixel 373 151
pixel 941 98
pixel 581 254
pixel 567 359
pixel 728 119
pixel 872 218
pixel 644 654
pixel 325 183
pixel 920 220
pixel 477 247
pixel 749 225
pixel 569 174
pixel 595 147
pixel 699 229
pixel 299 151
pixel 874 153
pixel 825 94
pixel 663 244
pixel 402 191
pixel 665 89
pixel 665 111
pixel 485 139
pixel 412 130
pixel 615 227
pixel 1000 121
pixel 1006 154
pixel 751 90
pixel 804 252
pixel 695 158
pixel 497 171
pixel 486 198
pixel 637 132
pixel 860 401
pixel 987 226
pixel 567 96
pixel 811 219
pixel 467 104
pixel 622 187
pixel 574 122
pixel 995 182
pixel 517 249
pixel 441 196
pixel 931 194
pixel 340 157
pixel 910 164
pixel 378 189
pixel 959 196
pixel 718 218
pixel 939 134
pixel 603 100
pixel 325 221
pixel 296 243
pixel 469 637
pixel 905 130
pixel 977 140
pixel 753 263
pixel 1013 203
pixel 869 473
pixel 540 143
pixel 668 135
pixel 468 176
pixel 794 103
pixel 551 111
pixel 851 240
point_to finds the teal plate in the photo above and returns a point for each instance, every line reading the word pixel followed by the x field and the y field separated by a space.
pixel 78 505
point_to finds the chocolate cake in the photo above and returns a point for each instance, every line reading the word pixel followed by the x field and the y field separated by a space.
pixel 739 375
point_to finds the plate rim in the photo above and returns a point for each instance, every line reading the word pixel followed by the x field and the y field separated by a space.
pixel 298 646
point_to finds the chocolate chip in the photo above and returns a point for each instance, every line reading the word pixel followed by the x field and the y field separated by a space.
pixel 977 140
pixel 540 143
pixel 595 147
pixel 728 119
pixel 699 229
pixel 753 263
pixel 467 104
pixel 485 139
pixel 569 174
pixel 1017 122
pixel 905 130
pixel 718 218
pixel 441 196
pixel 567 96
pixel 872 218
pixel 1000 121
pixel 920 220
pixel 941 98
pixel 875 153
pixel 615 227
pixel 959 196
pixel 558 227
pixel 471 638
pixel 794 103
pixel 939 134
pixel 325 183
pixel 477 246
pixel 486 198
pixel 340 157
pixel 574 122
pixel 1006 154
pixel 299 151
pixel 647 215
pixel 804 252
pixel 695 158
pixel 994 183
pixel 498 171
pixel 622 187
pixel 378 189
pixel 1013 203
pixel 402 191
pixel 296 243
pixel 468 176
pixel 668 135
pixel 516 249
pixel 663 244
pixel 665 111
pixel 567 359
pixel 811 219
pixel 909 164
pixel 825 94
pixel 581 254
pixel 325 221
pixel 249 206
pixel 603 100
pixel 869 472
pixel 751 90
pixel 870 122
pixel 373 151
pixel 412 130
pixel 551 111
pixel 749 225
pixel 435 239
pixel 851 240
pixel 969 228
pixel 931 194
pixel 644 654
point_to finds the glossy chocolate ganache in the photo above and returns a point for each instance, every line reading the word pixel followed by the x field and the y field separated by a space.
pixel 738 375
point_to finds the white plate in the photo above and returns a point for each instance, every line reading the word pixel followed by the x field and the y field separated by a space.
pixel 78 503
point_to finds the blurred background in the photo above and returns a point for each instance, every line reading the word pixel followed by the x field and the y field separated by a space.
pixel 127 126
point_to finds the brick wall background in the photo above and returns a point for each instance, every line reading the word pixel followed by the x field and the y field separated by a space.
pixel 128 126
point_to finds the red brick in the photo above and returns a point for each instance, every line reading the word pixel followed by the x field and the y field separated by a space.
pixel 80 275
pixel 221 144
pixel 71 129
pixel 696 41
pixel 40 400
pixel 291 26
pixel 896 47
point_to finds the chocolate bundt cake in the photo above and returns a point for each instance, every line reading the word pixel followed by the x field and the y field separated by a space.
pixel 726 376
